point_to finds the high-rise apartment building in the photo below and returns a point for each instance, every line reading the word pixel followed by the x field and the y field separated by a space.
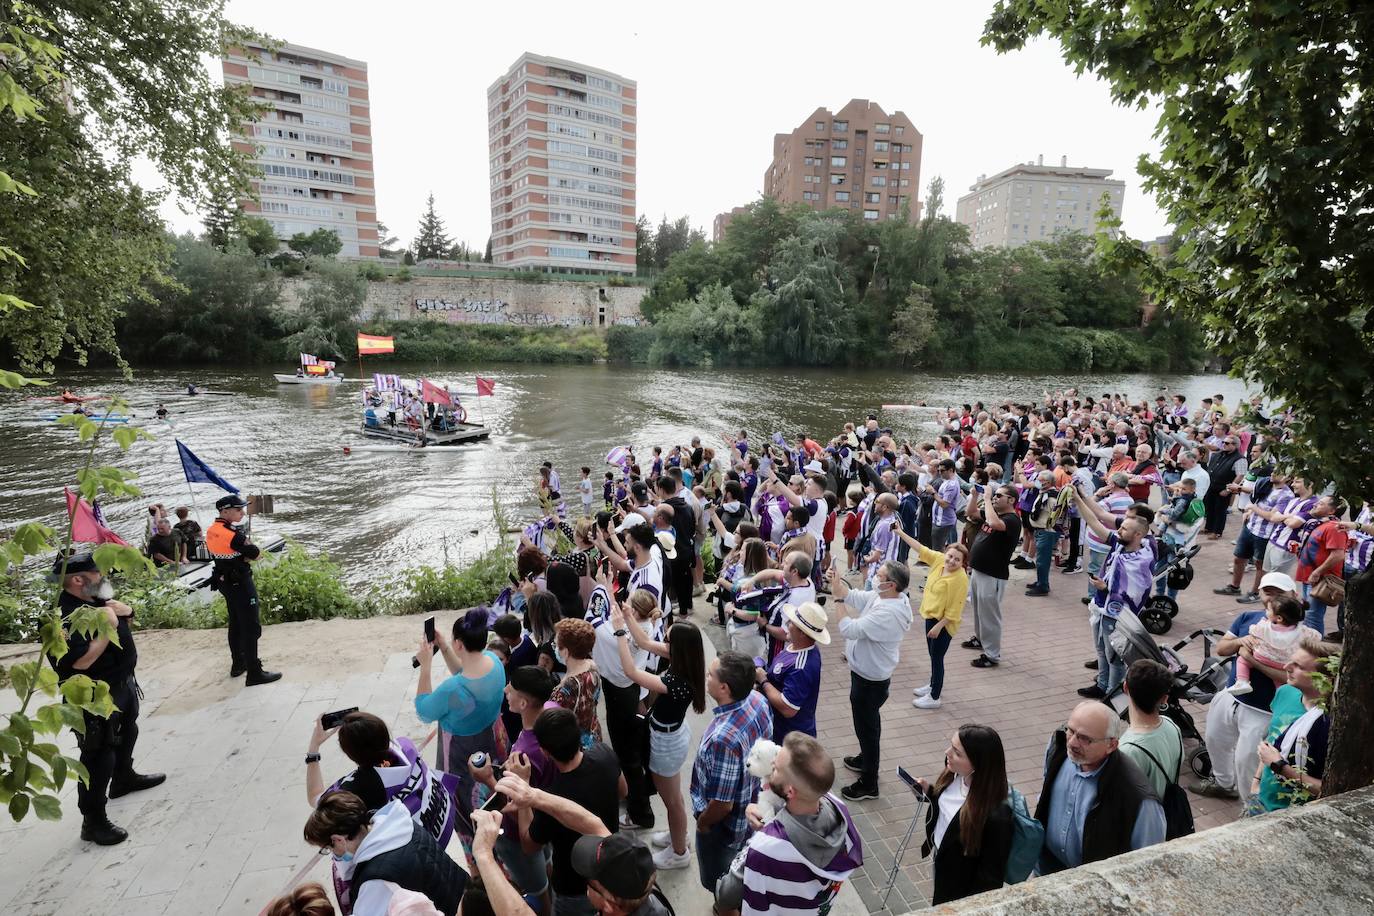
pixel 562 143
pixel 1033 202
pixel 313 145
pixel 722 222
pixel 860 158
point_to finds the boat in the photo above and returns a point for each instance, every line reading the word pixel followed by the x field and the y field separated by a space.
pixel 284 379
pixel 95 417
pixel 457 435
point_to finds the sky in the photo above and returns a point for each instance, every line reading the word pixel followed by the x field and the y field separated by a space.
pixel 715 81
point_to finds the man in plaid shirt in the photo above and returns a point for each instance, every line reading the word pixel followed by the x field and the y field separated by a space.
pixel 721 786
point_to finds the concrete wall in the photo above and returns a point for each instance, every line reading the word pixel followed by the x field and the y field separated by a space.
pixel 474 300
pixel 1312 859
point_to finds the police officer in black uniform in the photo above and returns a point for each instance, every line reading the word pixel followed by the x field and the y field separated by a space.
pixel 232 552
pixel 107 747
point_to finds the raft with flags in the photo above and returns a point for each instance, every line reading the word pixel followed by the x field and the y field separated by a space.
pixel 419 415
pixel 313 371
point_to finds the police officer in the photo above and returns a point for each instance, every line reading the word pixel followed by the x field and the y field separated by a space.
pixel 233 578
pixel 107 747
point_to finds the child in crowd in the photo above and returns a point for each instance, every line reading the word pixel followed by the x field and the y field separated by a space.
pixel 584 486
pixel 607 486
pixel 1279 634
pixel 853 525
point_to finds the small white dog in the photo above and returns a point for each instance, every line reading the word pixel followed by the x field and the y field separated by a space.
pixel 760 763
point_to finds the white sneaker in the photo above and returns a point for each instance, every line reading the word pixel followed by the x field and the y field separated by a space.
pixel 665 858
pixel 1240 688
pixel 660 839
pixel 922 691
pixel 926 702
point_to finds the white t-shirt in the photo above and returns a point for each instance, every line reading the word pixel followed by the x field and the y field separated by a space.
pixel 951 800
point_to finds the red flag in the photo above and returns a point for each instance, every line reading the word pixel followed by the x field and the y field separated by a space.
pixel 433 394
pixel 485 386
pixel 369 343
pixel 85 526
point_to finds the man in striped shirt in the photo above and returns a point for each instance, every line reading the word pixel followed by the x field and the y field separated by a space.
pixel 797 862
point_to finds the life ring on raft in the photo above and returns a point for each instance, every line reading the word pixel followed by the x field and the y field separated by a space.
pixel 461 413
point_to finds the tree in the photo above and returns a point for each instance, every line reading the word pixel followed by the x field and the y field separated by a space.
pixel 113 81
pixel 486 257
pixel 431 239
pixel 386 242
pixel 329 311
pixel 258 234
pixel 1267 148
pixel 913 326
pixel 221 219
pixel 644 244
pixel 321 243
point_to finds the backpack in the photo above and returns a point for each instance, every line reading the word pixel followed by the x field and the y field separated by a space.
pixel 1027 839
pixel 1178 813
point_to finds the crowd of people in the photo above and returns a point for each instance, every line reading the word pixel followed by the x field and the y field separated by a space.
pixel 564 708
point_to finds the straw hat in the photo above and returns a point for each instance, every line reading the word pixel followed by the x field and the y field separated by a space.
pixel 811 619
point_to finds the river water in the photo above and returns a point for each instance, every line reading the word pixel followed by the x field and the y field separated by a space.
pixel 375 512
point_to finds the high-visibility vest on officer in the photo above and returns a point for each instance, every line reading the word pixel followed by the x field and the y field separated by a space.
pixel 232 552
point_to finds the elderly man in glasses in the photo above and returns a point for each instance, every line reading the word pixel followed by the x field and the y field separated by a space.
pixel 1095 802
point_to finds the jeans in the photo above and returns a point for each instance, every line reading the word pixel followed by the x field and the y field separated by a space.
pixel 937 648
pixel 626 732
pixel 941 536
pixel 1045 541
pixel 714 855
pixel 866 699
pixel 1166 554
pixel 1095 560
pixel 1111 670
pixel 1316 612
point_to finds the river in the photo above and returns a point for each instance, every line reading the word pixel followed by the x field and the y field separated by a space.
pixel 376 512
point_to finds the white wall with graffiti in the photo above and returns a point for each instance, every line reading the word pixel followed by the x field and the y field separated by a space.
pixel 469 300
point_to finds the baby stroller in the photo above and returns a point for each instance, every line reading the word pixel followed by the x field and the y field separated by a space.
pixel 1160 610
pixel 1132 641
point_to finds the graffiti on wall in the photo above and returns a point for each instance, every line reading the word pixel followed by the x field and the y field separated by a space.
pixel 498 311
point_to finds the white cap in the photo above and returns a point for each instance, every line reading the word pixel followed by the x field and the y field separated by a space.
pixel 631 519
pixel 1281 581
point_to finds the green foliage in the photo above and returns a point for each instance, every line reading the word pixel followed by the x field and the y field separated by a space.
pixel 322 243
pixel 431 238
pixel 706 328
pixel 1266 151
pixel 630 343
pixel 913 326
pixel 430 589
pixel 299 585
pixel 216 306
pixel 258 234
pixel 328 316
pixel 370 271
pixel 442 342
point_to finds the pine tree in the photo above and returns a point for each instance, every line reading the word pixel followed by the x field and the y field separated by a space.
pixel 487 257
pixel 221 220
pixel 432 239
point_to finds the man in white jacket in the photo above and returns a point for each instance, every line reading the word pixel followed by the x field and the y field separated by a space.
pixel 872 640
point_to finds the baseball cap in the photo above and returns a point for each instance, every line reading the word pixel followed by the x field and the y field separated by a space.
pixel 232 501
pixel 1281 581
pixel 631 519
pixel 622 865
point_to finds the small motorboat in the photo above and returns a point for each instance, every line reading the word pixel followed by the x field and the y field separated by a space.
pixel 284 379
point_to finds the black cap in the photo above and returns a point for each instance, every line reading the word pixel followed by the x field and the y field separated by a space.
pixel 622 865
pixel 232 501
pixel 76 563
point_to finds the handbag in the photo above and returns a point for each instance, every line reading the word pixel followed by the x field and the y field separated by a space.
pixel 1329 590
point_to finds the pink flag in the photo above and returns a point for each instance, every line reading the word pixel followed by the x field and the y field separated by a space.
pixel 433 394
pixel 85 526
pixel 485 387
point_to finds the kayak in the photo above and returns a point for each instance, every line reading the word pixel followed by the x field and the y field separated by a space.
pixel 98 418
pixel 183 393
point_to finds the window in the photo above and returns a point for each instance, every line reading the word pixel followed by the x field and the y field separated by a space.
pixel 839 144
pixel 837 179
pixel 820 127
pixel 872 197
pixel 879 146
pixel 892 199
pixel 870 214
pixel 879 181
pixel 841 197
pixel 838 162
pixel 840 127
pixel 881 128
pixel 810 195
pixel 905 182
pixel 906 166
pixel 899 131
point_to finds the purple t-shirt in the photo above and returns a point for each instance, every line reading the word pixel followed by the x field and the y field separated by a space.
pixel 542 770
pixel 948 490
pixel 797 675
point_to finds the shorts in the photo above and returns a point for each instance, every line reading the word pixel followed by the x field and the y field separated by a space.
pixel 748 639
pixel 1249 547
pixel 1277 559
pixel 668 751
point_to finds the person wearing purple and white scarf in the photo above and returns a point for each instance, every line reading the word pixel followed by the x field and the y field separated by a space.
pixel 1124 583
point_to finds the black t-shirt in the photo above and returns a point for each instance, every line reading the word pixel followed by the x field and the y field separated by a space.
pixel 1000 454
pixel 685 530
pixel 169 545
pixel 595 786
pixel 367 785
pixel 114 665
pixel 992 549
pixel 190 531
pixel 671 708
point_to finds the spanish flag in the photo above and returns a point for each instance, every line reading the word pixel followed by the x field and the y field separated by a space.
pixel 368 345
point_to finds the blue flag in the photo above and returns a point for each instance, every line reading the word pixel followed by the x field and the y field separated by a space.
pixel 198 471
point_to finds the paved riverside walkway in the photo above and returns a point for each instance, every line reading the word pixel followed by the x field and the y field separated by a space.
pixel 223 835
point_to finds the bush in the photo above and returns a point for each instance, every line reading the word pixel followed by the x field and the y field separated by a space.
pixel 303 586
pixel 371 271
pixel 160 605
pixel 427 589
pixel 629 344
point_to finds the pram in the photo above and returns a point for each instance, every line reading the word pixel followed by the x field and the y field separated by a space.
pixel 1160 610
pixel 1132 641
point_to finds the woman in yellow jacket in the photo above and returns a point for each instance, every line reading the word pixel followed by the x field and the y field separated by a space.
pixel 942 604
